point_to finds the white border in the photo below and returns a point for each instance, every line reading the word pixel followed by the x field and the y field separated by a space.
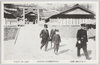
pixel 60 61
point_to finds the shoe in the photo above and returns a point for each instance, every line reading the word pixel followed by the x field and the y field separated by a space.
pixel 56 53
pixel 88 58
pixel 78 56
pixel 46 50
pixel 40 48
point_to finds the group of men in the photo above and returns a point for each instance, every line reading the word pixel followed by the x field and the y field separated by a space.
pixel 55 39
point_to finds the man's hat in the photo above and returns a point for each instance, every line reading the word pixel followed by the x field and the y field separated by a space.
pixel 45 25
pixel 57 30
pixel 83 25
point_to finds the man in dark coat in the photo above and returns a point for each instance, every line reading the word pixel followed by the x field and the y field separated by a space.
pixel 56 40
pixel 82 41
pixel 52 32
pixel 45 37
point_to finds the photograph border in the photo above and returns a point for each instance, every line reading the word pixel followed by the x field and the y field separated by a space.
pixel 31 62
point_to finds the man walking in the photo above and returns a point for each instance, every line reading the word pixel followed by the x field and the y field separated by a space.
pixel 82 41
pixel 45 37
pixel 56 40
pixel 52 33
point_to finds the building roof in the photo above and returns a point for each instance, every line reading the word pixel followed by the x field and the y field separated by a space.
pixel 11 9
pixel 77 6
pixel 10 12
pixel 28 6
pixel 30 14
pixel 77 11
pixel 6 12
pixel 9 15
pixel 49 13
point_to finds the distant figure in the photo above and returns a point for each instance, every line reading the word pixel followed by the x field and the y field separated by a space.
pixel 56 40
pixel 52 32
pixel 45 36
pixel 82 41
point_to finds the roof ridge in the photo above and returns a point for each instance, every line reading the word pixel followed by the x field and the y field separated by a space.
pixel 78 6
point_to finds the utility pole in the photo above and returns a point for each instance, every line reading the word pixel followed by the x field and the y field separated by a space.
pixel 23 15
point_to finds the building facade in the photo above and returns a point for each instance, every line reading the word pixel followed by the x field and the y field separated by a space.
pixel 21 14
pixel 73 16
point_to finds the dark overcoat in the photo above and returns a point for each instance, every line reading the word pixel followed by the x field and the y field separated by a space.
pixel 44 35
pixel 52 32
pixel 82 37
pixel 56 39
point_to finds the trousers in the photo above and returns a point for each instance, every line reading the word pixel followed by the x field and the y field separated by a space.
pixel 56 47
pixel 44 44
pixel 85 52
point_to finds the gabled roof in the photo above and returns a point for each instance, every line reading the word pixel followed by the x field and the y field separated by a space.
pixel 48 14
pixel 11 9
pixel 10 13
pixel 75 15
pixel 6 12
pixel 77 6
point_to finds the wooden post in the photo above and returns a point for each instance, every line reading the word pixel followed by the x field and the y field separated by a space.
pixel 79 21
pixel 23 15
pixel 74 22
pixel 83 20
pixel 66 21
pixel 86 20
pixel 38 13
pixel 59 20
pixel 69 21
pixel 63 21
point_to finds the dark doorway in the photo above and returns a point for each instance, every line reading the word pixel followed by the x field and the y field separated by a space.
pixel 31 17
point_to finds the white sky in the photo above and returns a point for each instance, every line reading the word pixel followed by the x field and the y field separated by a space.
pixel 93 6
pixel 51 5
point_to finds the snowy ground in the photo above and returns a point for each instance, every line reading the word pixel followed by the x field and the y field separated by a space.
pixel 28 44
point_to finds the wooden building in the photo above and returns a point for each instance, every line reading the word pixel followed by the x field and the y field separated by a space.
pixel 34 12
pixel 73 16
pixel 10 15
pixel 18 13
pixel 31 17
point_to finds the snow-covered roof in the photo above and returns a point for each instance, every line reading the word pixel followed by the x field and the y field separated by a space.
pixel 11 9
